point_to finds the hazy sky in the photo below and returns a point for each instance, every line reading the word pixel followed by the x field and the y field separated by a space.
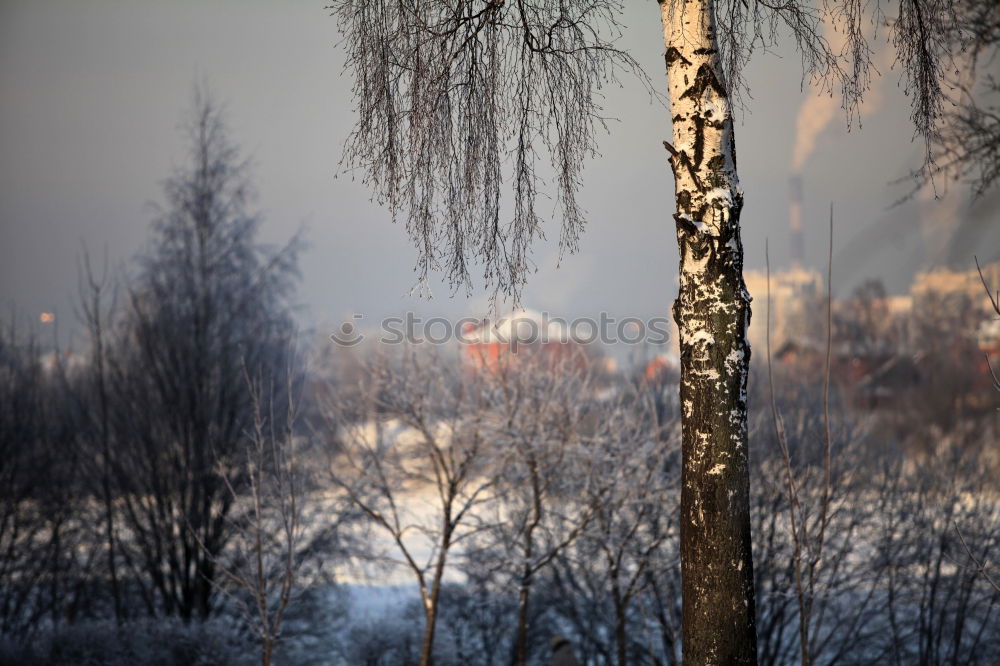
pixel 92 93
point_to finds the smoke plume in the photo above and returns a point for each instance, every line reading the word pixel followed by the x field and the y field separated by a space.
pixel 814 115
pixel 818 110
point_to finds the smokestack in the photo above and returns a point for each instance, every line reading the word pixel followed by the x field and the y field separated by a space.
pixel 796 236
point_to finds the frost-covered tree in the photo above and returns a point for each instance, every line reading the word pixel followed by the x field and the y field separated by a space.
pixel 409 452
pixel 456 97
pixel 544 469
pixel 632 538
pixel 208 304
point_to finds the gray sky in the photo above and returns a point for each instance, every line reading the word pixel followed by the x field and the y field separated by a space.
pixel 92 94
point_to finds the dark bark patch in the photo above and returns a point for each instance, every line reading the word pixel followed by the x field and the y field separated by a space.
pixel 673 55
pixel 699 140
pixel 684 201
pixel 703 80
pixel 716 175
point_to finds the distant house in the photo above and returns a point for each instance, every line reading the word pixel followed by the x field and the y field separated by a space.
pixel 886 384
pixel 489 345
pixel 869 379
pixel 660 369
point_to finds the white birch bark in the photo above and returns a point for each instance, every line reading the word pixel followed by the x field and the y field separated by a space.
pixel 712 314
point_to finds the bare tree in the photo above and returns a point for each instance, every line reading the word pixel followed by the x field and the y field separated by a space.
pixel 97 305
pixel 809 539
pixel 543 470
pixel 23 521
pixel 979 563
pixel 207 302
pixel 938 609
pixel 260 570
pixel 448 93
pixel 631 533
pixel 477 616
pixel 946 46
pixel 616 586
pixel 46 537
pixel 415 464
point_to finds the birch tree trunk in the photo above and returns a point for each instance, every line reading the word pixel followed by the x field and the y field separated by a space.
pixel 712 312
